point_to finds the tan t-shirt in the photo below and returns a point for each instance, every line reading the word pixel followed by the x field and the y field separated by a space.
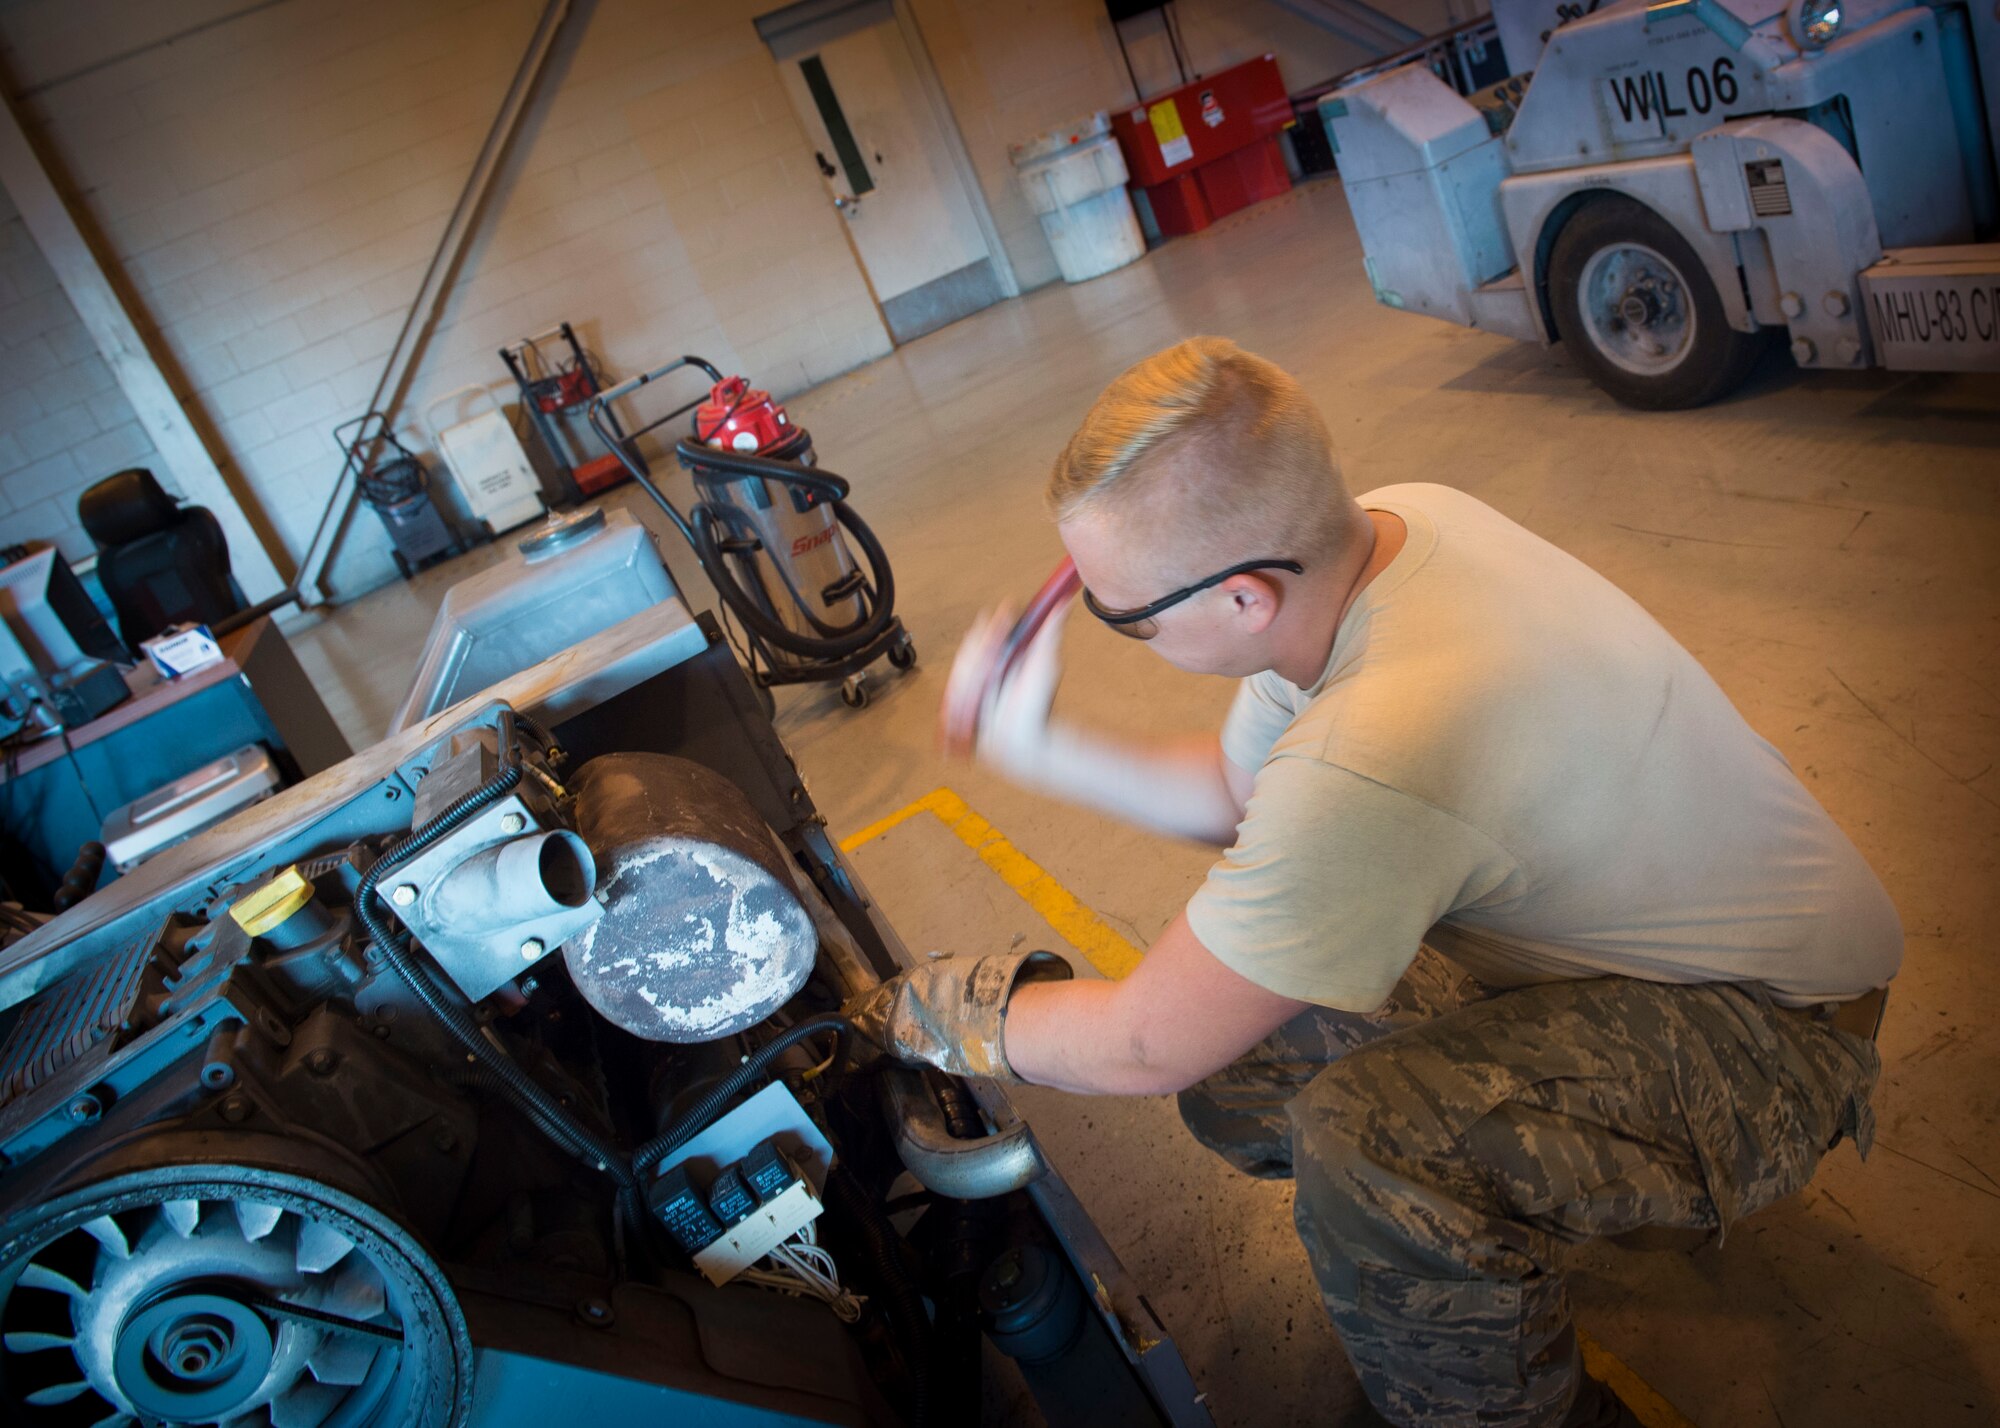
pixel 1509 759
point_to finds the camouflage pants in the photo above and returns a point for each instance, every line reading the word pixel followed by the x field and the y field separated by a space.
pixel 1450 1148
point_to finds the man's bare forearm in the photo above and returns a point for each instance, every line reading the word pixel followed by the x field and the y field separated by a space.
pixel 1174 786
pixel 1180 1016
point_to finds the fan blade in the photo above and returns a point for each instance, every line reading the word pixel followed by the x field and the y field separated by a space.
pixel 40 1276
pixel 106 1231
pixel 355 1294
pixel 320 1247
pixel 342 1359
pixel 116 1420
pixel 58 1393
pixel 25 1342
pixel 256 1220
pixel 305 1404
pixel 182 1215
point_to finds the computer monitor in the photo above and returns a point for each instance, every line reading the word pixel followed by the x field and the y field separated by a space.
pixel 51 618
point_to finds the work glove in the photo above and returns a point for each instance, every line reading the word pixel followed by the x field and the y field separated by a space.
pixel 949 1013
pixel 1013 719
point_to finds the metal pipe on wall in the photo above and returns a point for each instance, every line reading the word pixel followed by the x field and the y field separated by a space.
pixel 401 363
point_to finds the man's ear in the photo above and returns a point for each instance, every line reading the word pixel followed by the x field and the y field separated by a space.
pixel 1256 601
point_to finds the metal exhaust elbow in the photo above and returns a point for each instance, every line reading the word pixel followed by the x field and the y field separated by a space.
pixel 980 1169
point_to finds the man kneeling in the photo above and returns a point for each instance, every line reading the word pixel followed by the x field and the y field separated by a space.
pixel 1522 936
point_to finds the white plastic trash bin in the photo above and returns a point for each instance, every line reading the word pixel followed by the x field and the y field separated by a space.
pixel 1074 178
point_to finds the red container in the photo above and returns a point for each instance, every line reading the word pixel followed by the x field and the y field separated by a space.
pixel 1209 148
pixel 740 417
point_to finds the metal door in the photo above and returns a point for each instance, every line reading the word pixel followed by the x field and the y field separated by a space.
pixel 888 167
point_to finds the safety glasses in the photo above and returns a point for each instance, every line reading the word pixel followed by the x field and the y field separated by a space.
pixel 1143 623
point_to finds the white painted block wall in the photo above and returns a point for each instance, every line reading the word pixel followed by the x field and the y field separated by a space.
pixel 271 183
pixel 272 187
pixel 63 421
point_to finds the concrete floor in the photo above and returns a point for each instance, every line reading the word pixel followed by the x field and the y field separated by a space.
pixel 1825 544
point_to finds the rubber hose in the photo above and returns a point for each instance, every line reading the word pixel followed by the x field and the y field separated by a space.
pixel 711 516
pixel 699 459
pixel 783 637
pixel 527 1094
pixel 697 1117
pixel 903 1303
pixel 81 880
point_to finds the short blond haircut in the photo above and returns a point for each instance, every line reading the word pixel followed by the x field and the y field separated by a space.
pixel 1213 455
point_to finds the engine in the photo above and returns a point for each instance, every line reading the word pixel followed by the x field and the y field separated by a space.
pixel 499 1072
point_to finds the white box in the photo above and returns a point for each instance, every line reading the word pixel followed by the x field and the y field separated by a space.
pixel 182 650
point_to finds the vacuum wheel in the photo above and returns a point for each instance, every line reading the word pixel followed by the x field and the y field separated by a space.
pixel 222 1294
pixel 854 691
pixel 903 653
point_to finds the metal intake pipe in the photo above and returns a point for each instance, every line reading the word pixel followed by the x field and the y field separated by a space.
pixel 516 882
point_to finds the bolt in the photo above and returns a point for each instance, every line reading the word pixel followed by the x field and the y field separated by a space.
pixel 594 1311
pixel 321 1062
pixel 381 1031
pixel 236 1107
pixel 1803 351
pixel 531 949
pixel 513 823
pixel 195 1348
pixel 1836 303
pixel 1791 305
pixel 1009 1273
pixel 404 895
pixel 1848 351
pixel 85 1109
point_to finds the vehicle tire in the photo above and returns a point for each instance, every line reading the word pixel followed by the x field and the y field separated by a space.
pixel 1638 311
pixel 903 653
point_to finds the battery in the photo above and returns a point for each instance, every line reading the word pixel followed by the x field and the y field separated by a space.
pixel 729 1198
pixel 766 1171
pixel 679 1207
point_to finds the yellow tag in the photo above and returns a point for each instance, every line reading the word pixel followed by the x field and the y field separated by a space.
pixel 272 904
pixel 1175 146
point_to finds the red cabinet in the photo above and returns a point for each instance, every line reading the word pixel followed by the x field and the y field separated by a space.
pixel 1208 148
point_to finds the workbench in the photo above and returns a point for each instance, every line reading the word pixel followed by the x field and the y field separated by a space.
pixel 56 792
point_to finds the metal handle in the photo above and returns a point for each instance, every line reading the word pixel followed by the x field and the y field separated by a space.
pixel 632 384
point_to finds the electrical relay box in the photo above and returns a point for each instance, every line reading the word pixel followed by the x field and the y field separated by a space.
pixel 743 1186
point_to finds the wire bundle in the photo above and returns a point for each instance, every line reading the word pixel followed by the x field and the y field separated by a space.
pixel 801 1265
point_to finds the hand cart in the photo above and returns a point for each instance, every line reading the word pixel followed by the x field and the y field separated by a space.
pixel 555 392
pixel 397 488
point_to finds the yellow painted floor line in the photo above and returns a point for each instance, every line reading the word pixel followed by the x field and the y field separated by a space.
pixel 1114 957
pixel 1083 929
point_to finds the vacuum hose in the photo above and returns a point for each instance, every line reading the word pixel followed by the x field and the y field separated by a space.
pixel 834 643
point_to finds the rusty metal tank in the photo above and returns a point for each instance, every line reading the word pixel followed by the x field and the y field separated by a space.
pixel 702 934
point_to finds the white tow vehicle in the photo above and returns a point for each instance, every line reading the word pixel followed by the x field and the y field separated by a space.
pixel 1677 181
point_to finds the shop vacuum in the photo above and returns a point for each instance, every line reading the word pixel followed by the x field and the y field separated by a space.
pixel 772 532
